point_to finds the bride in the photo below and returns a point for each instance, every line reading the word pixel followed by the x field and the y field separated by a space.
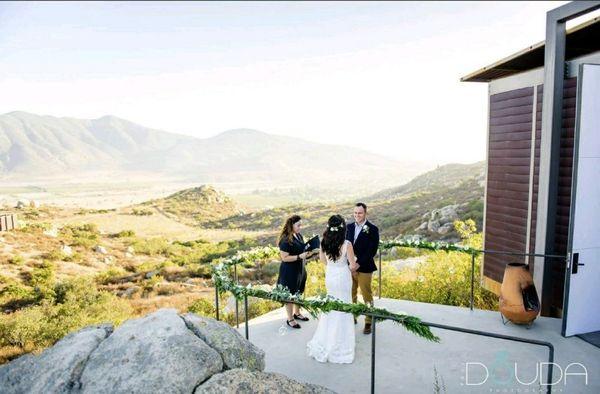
pixel 334 339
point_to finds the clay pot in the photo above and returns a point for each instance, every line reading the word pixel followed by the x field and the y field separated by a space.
pixel 518 281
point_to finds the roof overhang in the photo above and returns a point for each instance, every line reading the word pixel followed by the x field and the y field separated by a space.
pixel 582 39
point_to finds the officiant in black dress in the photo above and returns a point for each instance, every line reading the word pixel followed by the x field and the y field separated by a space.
pixel 292 271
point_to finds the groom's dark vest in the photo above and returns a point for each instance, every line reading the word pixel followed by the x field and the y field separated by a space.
pixel 365 246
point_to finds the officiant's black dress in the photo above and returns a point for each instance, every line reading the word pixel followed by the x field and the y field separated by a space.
pixel 292 274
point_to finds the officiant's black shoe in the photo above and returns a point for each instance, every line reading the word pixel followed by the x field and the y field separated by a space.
pixel 296 325
pixel 367 329
pixel 300 317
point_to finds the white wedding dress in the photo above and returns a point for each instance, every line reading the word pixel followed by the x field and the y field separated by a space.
pixel 334 339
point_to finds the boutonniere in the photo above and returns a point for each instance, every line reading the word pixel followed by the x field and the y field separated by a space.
pixel 365 229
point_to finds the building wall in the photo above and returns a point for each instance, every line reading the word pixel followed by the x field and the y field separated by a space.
pixel 508 177
pixel 512 182
pixel 500 89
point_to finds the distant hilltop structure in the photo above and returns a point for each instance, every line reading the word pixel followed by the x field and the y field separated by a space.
pixel 8 221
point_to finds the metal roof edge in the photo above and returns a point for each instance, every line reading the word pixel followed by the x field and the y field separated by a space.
pixel 469 77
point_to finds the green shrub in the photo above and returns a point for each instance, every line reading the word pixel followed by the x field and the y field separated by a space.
pixel 201 271
pixel 166 289
pixel 150 284
pixel 35 228
pixel 13 290
pixel 42 279
pixel 203 307
pixel 260 307
pixel 110 275
pixel 141 212
pixel 78 303
pixel 124 234
pixel 152 247
pixel 148 266
pixel 73 257
pixel 444 278
pixel 257 307
pixel 271 269
pixel 16 260
pixel 315 280
pixel 54 255
pixel 85 235
pixel 31 213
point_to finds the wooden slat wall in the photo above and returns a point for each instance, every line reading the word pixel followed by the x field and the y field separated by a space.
pixel 509 159
pixel 564 187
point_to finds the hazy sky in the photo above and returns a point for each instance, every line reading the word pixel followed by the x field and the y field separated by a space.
pixel 384 76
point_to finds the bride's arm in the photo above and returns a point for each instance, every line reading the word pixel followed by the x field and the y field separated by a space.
pixel 352 258
pixel 322 257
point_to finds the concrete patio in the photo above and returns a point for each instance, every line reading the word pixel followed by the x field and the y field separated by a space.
pixel 405 363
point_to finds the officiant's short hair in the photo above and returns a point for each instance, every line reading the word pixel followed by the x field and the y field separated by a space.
pixel 362 204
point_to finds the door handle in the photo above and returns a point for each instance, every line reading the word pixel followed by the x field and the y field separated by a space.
pixel 576 263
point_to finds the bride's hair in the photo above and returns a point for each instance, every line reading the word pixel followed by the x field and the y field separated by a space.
pixel 334 236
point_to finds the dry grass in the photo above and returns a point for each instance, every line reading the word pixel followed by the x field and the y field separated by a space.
pixel 152 226
pixel 145 282
pixel 181 302
pixel 8 353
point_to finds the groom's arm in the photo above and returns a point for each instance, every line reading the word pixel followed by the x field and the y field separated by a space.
pixel 374 242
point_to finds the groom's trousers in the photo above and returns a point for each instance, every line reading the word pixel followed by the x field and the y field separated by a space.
pixel 363 280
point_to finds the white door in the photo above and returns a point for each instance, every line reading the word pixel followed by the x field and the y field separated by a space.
pixel 582 284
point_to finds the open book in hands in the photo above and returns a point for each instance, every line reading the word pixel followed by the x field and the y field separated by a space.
pixel 312 246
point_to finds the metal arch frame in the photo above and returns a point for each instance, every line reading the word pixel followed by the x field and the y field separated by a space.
pixel 554 73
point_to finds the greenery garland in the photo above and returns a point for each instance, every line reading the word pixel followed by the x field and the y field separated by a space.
pixel 223 282
pixel 433 246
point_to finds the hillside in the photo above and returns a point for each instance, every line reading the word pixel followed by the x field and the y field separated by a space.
pixel 34 146
pixel 196 205
pixel 446 176
pixel 414 208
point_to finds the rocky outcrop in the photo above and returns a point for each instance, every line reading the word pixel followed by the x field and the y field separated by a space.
pixel 234 349
pixel 161 352
pixel 149 354
pixel 56 370
pixel 441 221
pixel 242 381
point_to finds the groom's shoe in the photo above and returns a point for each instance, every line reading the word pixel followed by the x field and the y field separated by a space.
pixel 367 329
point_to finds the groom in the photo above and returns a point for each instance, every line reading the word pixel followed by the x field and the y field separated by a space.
pixel 364 236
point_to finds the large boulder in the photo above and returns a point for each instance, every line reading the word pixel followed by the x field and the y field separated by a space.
pixel 243 381
pixel 445 229
pixel 160 353
pixel 445 214
pixel 156 353
pixel 235 350
pixel 57 369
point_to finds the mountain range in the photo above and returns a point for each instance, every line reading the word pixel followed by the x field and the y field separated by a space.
pixel 46 146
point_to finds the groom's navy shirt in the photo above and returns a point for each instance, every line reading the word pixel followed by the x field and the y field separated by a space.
pixel 365 246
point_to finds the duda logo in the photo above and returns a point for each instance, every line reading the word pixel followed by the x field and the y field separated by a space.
pixel 503 372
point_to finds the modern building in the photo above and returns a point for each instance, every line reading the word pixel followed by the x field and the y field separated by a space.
pixel 543 167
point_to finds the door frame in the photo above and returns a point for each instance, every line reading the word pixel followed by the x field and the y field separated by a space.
pixel 554 65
